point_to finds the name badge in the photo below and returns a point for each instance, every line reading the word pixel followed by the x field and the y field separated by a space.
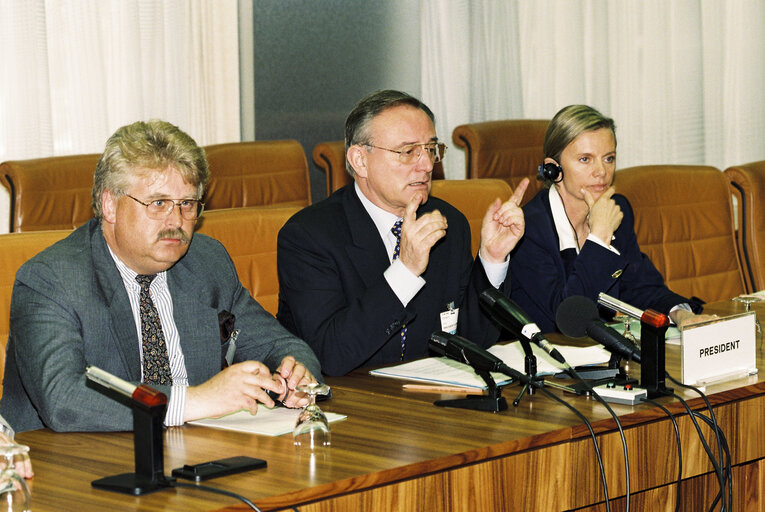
pixel 719 350
pixel 449 320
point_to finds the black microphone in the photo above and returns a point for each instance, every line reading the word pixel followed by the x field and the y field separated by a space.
pixel 509 315
pixel 577 317
pixel 465 351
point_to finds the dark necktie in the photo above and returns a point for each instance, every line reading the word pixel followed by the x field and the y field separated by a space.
pixel 156 363
pixel 396 230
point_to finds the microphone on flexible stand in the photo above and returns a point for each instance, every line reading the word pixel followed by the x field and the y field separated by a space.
pixel 483 362
pixel 508 315
pixel 653 332
pixel 505 312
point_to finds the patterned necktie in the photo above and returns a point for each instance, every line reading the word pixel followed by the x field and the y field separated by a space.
pixel 396 230
pixel 156 363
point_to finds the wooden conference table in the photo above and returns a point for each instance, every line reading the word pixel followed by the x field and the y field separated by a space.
pixel 396 451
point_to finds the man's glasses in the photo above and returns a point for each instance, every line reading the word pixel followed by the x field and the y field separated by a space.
pixel 158 209
pixel 411 153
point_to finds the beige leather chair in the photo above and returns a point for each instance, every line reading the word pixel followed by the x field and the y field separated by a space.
pixel 684 223
pixel 747 184
pixel 268 172
pixel 509 149
pixel 17 248
pixel 249 235
pixel 49 193
pixel 472 198
pixel 330 158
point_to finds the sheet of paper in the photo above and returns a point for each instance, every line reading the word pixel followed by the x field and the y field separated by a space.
pixel 440 370
pixel 267 422
pixel 513 356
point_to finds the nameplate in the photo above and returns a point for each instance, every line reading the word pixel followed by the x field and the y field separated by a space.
pixel 718 350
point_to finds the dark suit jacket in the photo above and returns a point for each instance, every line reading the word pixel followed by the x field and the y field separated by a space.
pixel 69 309
pixel 333 294
pixel 542 278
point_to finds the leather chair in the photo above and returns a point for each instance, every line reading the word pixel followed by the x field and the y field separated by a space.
pixel 684 223
pixel 17 249
pixel 269 172
pixel 330 158
pixel 472 198
pixel 49 193
pixel 509 149
pixel 747 184
pixel 249 235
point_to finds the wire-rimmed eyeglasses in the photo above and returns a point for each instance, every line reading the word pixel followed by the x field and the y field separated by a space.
pixel 411 153
pixel 158 209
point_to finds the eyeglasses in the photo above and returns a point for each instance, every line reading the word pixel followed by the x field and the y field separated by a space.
pixel 411 153
pixel 158 209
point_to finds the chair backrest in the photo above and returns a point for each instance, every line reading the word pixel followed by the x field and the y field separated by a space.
pixel 17 248
pixel 747 184
pixel 684 223
pixel 472 198
pixel 49 193
pixel 249 235
pixel 260 173
pixel 330 158
pixel 509 149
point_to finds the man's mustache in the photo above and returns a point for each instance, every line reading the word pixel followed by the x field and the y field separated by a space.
pixel 174 233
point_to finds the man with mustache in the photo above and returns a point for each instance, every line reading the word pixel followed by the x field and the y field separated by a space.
pixel 368 274
pixel 134 293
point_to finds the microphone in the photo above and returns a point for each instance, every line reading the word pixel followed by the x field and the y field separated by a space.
pixel 510 316
pixel 577 317
pixel 465 351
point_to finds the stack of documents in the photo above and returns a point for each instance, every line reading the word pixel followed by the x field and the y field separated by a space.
pixel 441 370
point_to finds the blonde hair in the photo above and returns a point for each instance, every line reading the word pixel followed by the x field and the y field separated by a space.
pixel 147 145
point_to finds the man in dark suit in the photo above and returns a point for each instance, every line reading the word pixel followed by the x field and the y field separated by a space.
pixel 132 293
pixel 368 274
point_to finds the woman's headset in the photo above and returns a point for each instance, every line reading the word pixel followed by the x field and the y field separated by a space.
pixel 550 171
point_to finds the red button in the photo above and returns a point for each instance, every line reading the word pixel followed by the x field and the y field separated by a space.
pixel 628 386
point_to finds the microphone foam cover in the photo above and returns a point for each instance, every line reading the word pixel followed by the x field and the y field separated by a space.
pixel 574 314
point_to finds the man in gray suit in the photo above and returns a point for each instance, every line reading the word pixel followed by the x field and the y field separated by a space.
pixel 132 293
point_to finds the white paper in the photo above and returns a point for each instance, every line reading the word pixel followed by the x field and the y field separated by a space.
pixel 441 370
pixel 267 422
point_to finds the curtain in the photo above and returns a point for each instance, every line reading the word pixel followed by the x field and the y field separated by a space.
pixel 682 79
pixel 74 71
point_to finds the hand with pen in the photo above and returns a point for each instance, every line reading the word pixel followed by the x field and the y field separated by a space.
pixel 244 385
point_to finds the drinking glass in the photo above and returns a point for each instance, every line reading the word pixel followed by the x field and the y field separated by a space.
pixel 312 428
pixel 747 301
pixel 14 493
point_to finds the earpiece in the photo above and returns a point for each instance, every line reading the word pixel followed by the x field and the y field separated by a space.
pixel 550 171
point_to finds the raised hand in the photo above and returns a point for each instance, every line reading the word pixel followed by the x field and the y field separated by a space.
pixel 503 225
pixel 418 235
pixel 605 215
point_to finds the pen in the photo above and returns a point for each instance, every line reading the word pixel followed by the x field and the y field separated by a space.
pixel 425 388
pixel 231 347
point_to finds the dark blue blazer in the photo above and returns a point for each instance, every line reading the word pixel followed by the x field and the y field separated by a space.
pixel 332 292
pixel 543 276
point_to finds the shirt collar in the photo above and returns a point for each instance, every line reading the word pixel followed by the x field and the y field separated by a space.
pixel 566 235
pixel 128 275
pixel 383 220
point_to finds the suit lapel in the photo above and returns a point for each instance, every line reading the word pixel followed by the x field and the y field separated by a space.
pixel 122 326
pixel 367 252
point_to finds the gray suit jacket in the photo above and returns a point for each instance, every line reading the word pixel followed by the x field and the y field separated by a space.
pixel 69 309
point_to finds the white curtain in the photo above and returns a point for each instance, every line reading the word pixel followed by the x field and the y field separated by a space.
pixel 682 79
pixel 74 71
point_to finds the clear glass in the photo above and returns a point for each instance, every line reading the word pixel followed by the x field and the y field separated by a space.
pixel 312 428
pixel 747 301
pixel 14 493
